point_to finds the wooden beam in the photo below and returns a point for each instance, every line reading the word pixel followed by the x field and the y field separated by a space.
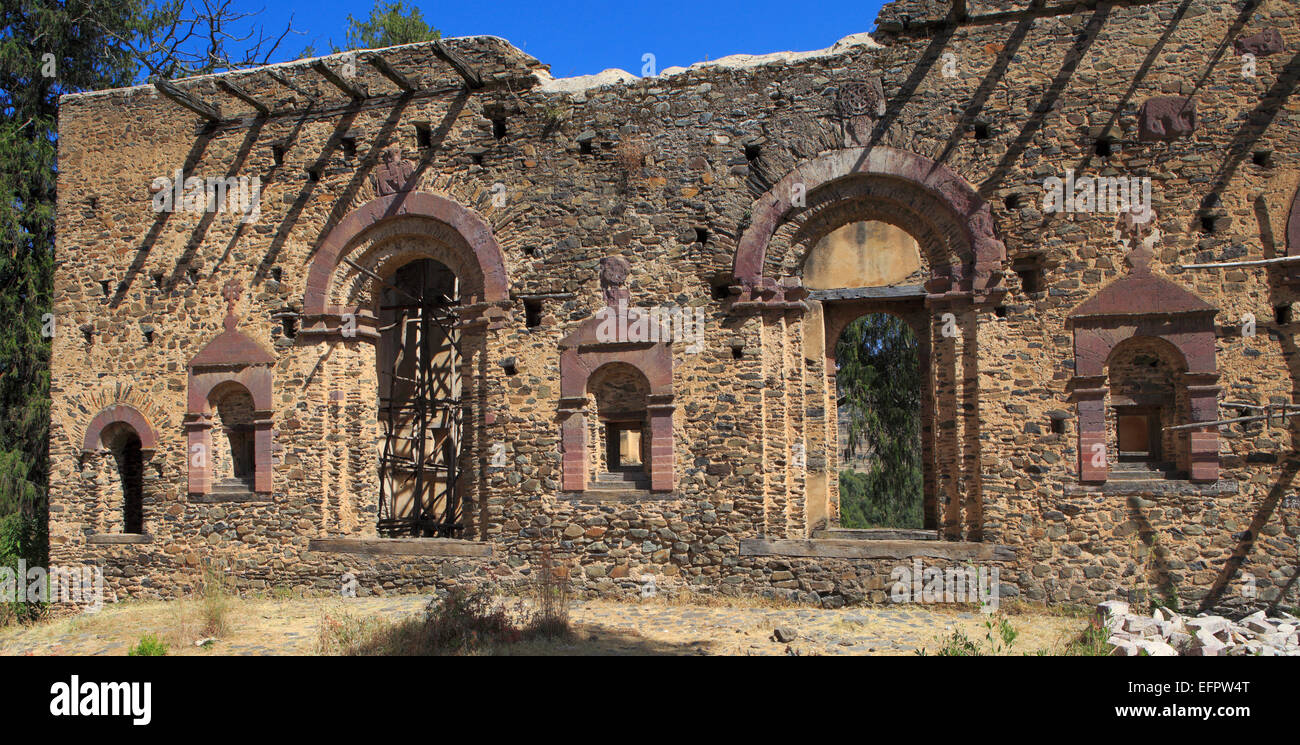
pixel 280 78
pixel 353 90
pixel 453 58
pixel 207 111
pixel 243 95
pixel 387 70
pixel 402 546
pixel 1255 262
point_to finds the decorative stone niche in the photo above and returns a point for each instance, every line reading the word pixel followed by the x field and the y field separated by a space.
pixel 615 356
pixel 230 390
pixel 1148 345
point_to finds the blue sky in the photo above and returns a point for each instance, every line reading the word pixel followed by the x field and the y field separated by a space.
pixel 580 38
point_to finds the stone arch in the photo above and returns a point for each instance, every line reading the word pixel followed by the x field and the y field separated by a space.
pixel 926 198
pixel 125 440
pixel 410 213
pixel 125 414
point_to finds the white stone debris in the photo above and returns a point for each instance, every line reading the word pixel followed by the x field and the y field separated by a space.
pixel 1168 634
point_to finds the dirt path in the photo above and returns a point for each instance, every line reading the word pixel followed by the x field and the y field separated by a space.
pixel 653 627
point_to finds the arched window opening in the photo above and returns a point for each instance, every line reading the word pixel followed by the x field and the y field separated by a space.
pixel 878 411
pixel 618 394
pixel 418 359
pixel 124 445
pixel 233 448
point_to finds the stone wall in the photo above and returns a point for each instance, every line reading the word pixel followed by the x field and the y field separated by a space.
pixel 524 184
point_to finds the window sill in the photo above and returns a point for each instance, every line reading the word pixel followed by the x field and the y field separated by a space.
pixel 1154 487
pixel 216 497
pixel 618 495
pixel 114 539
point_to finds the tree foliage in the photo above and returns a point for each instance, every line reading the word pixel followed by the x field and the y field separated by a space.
pixel 47 48
pixel 879 384
pixel 389 24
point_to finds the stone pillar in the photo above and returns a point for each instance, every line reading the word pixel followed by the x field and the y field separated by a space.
pixel 198 452
pixel 661 443
pixel 262 452
pixel 1203 397
pixel 573 443
pixel 1090 400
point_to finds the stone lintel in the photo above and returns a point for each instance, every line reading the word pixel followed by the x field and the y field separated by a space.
pixel 111 539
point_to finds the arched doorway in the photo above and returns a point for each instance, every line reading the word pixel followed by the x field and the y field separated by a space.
pixel 234 447
pixel 879 387
pixel 418 360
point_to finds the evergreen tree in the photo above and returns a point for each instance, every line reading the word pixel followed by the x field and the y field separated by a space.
pixel 879 383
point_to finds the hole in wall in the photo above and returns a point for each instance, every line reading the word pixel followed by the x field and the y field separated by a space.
pixel 499 127
pixel 532 313
pixel 1013 201
pixel 982 131
pixel 1056 425
pixel 349 144
pixel 753 152
pixel 313 174
pixel 1262 158
pixel 1104 147
pixel 701 235
pixel 157 278
pixel 148 336
pixel 423 135
pixel 1000 311
pixel 737 353
pixel 1209 223
pixel 510 365
pixel 103 287
pixel 1282 314
pixel 277 154
pixel 584 147
pixel 1030 270
pixel 276 273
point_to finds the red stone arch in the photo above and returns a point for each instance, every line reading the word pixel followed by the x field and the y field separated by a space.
pixel 582 353
pixel 933 192
pixel 125 414
pixel 493 283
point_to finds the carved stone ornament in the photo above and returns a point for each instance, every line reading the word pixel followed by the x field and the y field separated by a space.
pixel 613 279
pixel 857 105
pixel 393 174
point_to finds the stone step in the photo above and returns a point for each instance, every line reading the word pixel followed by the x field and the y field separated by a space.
pixel 622 477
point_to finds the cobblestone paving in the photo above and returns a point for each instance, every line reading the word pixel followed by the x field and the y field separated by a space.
pixel 289 627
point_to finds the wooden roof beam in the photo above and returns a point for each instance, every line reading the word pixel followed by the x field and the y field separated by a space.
pixel 243 95
pixel 280 78
pixel 205 110
pixel 353 90
pixel 453 58
pixel 387 70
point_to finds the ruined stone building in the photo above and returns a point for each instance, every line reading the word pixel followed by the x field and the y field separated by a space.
pixel 411 316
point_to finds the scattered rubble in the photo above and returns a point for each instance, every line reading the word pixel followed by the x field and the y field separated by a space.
pixel 1165 633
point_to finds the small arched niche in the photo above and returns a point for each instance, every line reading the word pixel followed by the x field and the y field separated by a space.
pixel 127 476
pixel 618 396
